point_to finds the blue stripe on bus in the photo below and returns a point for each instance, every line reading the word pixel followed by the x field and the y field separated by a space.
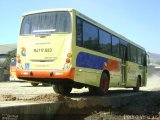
pixel 88 60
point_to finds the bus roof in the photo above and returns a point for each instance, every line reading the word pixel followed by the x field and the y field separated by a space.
pixel 89 20
pixel 49 10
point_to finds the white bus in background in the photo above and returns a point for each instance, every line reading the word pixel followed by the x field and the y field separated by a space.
pixel 13 76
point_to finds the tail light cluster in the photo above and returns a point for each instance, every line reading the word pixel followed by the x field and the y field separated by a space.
pixel 68 61
pixel 18 59
pixel 19 62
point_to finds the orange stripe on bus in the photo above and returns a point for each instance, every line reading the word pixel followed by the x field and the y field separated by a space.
pixel 69 74
pixel 112 65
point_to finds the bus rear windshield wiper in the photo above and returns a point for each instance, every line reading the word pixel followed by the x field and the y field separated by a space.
pixel 42 35
pixel 43 31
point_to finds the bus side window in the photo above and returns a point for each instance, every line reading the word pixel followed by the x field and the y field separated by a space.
pixel 79 40
pixel 143 57
pixel 122 52
pixel 115 46
pixel 90 36
pixel 129 53
pixel 104 42
pixel 133 52
pixel 139 53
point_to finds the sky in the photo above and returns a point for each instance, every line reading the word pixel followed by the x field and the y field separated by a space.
pixel 137 20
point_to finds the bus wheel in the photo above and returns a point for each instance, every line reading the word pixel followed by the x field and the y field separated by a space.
pixel 62 89
pixel 92 90
pixel 34 84
pixel 55 88
pixel 136 89
pixel 104 85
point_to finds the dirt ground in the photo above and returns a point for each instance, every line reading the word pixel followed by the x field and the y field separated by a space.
pixel 24 91
pixel 144 107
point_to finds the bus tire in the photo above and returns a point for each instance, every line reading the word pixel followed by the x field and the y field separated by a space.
pixel 104 85
pixel 92 90
pixel 34 84
pixel 62 89
pixel 137 88
pixel 55 88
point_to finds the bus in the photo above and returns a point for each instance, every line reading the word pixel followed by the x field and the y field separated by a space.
pixel 70 50
pixel 13 76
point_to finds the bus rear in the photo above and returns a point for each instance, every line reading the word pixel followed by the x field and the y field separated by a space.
pixel 44 47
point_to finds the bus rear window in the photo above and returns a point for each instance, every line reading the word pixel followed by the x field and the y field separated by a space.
pixel 46 23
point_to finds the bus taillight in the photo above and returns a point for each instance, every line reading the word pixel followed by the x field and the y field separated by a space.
pixel 18 60
pixel 68 60
pixel 69 55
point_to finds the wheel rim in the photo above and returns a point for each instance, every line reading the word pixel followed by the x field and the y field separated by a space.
pixel 138 84
pixel 104 84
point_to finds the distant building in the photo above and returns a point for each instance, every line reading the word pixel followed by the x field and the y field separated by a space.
pixel 6 51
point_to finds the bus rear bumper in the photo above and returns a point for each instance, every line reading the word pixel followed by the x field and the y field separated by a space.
pixel 63 74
